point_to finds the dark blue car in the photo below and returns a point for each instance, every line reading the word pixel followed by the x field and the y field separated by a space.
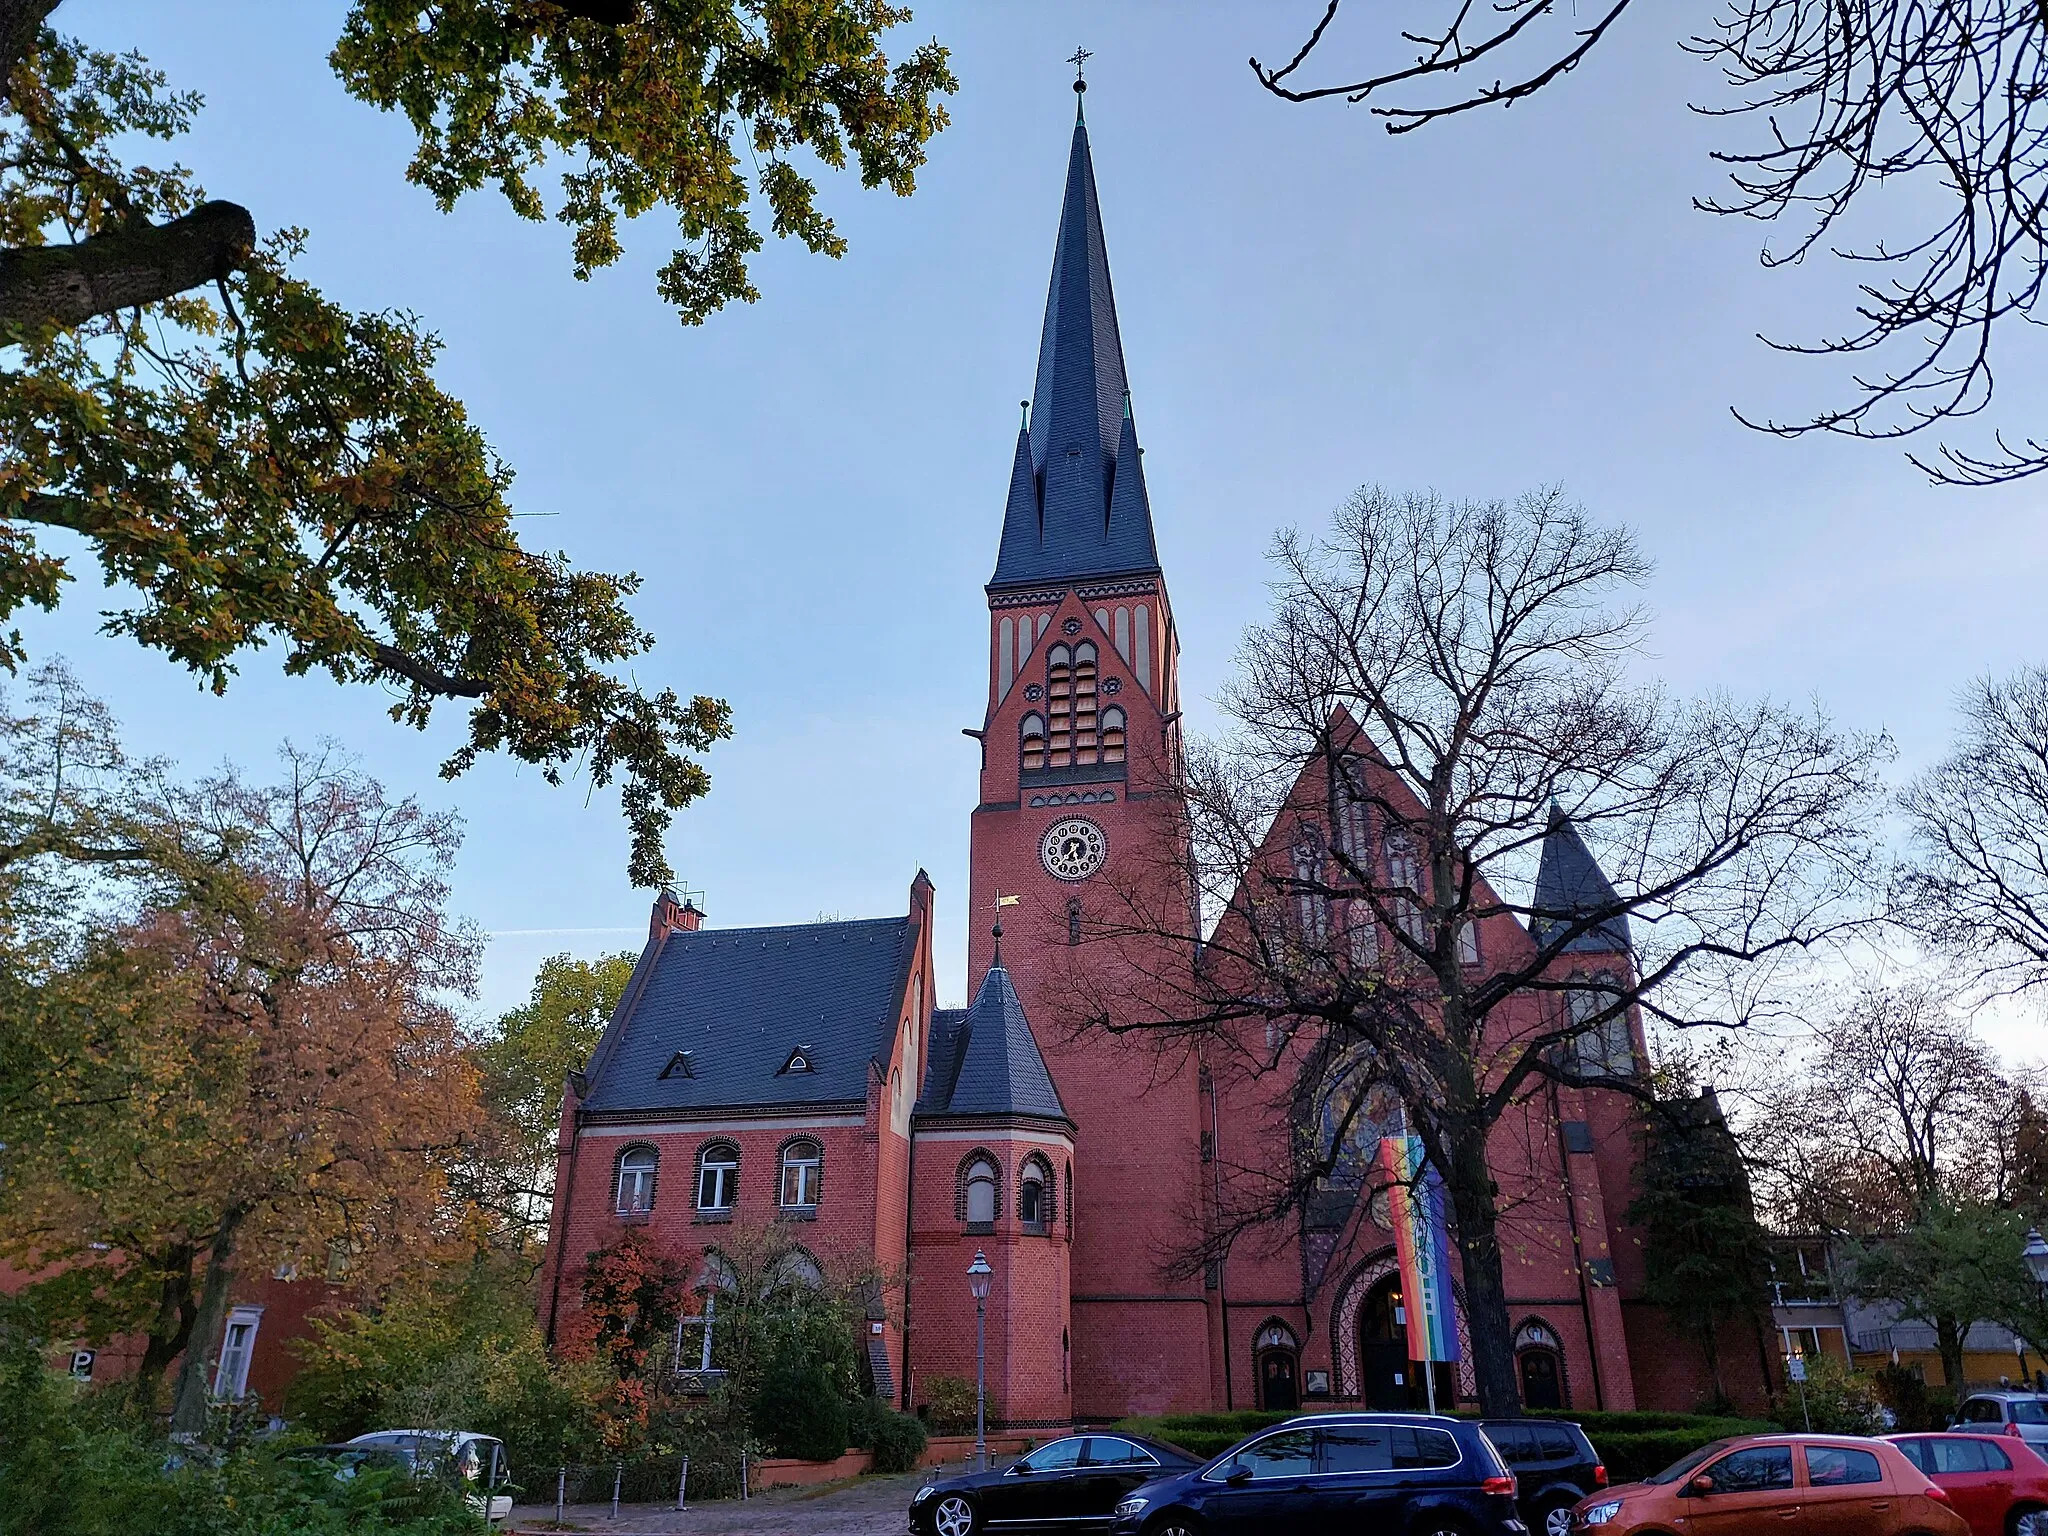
pixel 1404 1474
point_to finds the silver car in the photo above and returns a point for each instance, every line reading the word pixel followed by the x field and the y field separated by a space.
pixel 2023 1415
pixel 475 1460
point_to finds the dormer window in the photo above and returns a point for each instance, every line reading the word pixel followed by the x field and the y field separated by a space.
pixel 678 1066
pixel 799 1061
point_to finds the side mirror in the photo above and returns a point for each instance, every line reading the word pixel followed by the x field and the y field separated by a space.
pixel 1023 1467
pixel 1700 1486
pixel 1239 1474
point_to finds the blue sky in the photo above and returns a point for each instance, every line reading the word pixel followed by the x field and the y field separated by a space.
pixel 812 486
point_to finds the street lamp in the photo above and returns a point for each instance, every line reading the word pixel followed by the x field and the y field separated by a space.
pixel 978 1275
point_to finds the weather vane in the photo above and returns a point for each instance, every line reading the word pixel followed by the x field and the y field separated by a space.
pixel 1081 57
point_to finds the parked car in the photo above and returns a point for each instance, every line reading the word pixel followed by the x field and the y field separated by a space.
pixel 1409 1473
pixel 2022 1415
pixel 477 1461
pixel 1070 1484
pixel 1827 1485
pixel 1997 1483
pixel 1554 1464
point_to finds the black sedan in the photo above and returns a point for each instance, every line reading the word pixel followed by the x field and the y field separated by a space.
pixel 1070 1484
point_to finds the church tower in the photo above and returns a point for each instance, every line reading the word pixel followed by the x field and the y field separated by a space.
pixel 1080 761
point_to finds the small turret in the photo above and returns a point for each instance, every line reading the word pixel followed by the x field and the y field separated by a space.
pixel 1570 884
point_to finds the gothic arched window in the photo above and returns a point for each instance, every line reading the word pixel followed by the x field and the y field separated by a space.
pixel 1031 735
pixel 1034 1194
pixel 1404 873
pixel 1311 906
pixel 979 1185
pixel 633 1190
pixel 1059 705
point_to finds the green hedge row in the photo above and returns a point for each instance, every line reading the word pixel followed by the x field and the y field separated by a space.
pixel 1631 1445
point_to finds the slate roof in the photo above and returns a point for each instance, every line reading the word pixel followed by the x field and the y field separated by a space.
pixel 1077 506
pixel 1569 880
pixel 984 1060
pixel 740 1000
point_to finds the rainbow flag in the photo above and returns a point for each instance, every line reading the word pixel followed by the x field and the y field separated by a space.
pixel 1422 1239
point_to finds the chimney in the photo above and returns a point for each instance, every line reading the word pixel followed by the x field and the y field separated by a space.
pixel 673 914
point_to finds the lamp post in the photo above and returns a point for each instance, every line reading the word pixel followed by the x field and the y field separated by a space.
pixel 978 1274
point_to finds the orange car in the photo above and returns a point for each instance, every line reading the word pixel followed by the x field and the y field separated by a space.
pixel 1777 1485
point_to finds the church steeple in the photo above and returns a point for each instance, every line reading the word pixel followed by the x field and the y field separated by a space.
pixel 1077 505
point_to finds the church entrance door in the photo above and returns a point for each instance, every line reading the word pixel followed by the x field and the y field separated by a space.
pixel 1387 1378
pixel 1541 1387
pixel 1276 1380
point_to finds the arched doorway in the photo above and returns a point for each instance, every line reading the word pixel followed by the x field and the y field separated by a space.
pixel 1278 1362
pixel 1539 1361
pixel 1388 1379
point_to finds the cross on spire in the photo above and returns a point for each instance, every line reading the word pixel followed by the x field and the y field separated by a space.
pixel 1081 57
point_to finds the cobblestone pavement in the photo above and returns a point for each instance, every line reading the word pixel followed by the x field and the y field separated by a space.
pixel 868 1506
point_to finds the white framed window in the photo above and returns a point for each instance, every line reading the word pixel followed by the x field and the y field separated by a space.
pixel 718 1177
pixel 1468 943
pixel 803 1163
pixel 633 1194
pixel 1606 1048
pixel 237 1349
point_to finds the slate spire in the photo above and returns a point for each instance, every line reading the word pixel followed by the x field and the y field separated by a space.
pixel 1570 882
pixel 1077 505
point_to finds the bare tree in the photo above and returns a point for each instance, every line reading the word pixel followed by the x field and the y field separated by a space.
pixel 1392 846
pixel 1851 94
pixel 1978 887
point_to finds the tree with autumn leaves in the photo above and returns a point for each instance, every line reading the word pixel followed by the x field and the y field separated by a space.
pixel 227 1041
pixel 251 464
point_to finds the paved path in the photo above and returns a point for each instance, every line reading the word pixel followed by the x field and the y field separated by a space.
pixel 867 1506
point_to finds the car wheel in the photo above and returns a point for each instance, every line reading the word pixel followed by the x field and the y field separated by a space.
pixel 1173 1525
pixel 2029 1522
pixel 1556 1520
pixel 955 1516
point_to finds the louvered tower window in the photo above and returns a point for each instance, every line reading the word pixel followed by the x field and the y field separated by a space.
pixel 1059 706
pixel 1032 734
pixel 1112 735
pixel 1086 746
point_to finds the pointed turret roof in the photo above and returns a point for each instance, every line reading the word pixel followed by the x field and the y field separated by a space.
pixel 985 1061
pixel 1077 504
pixel 1569 881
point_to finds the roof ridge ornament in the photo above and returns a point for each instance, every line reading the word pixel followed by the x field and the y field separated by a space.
pixel 1080 58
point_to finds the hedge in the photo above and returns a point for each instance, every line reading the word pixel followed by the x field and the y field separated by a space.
pixel 1630 1445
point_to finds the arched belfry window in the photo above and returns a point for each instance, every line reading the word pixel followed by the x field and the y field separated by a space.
pixel 1059 706
pixel 1031 734
pixel 633 1190
pixel 1086 745
pixel 1112 735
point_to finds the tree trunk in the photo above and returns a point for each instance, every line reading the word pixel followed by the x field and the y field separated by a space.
pixel 188 1406
pixel 1470 1184
pixel 1710 1346
pixel 171 1330
pixel 20 21
pixel 1948 1338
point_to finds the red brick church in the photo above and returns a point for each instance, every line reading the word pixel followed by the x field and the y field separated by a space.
pixel 803 1074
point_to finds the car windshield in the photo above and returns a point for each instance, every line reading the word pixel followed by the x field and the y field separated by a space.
pixel 1685 1464
pixel 2028 1412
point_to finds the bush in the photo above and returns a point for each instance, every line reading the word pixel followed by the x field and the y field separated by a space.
pixel 1913 1403
pixel 1834 1399
pixel 898 1442
pixel 949 1405
pixel 84 1464
pixel 798 1412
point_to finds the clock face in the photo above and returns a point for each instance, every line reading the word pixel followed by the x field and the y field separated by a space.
pixel 1072 849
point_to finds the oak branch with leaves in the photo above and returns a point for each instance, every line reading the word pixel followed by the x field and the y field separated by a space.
pixel 252 464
